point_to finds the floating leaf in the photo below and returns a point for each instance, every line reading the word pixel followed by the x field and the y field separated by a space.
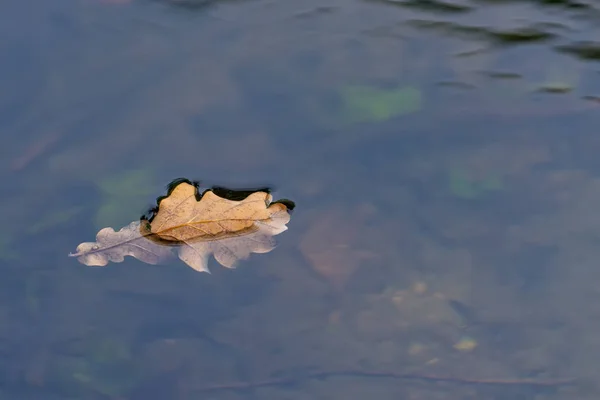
pixel 228 224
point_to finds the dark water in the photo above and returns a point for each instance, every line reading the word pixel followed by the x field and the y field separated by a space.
pixel 443 158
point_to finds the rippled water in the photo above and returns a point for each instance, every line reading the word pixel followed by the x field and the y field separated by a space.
pixel 443 157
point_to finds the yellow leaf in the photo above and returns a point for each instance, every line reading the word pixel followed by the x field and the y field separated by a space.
pixel 182 218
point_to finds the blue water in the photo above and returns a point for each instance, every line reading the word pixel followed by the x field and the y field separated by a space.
pixel 444 162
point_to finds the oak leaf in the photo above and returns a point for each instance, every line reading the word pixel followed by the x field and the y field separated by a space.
pixel 228 224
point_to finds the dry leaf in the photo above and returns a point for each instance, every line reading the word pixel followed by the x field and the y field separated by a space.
pixel 228 224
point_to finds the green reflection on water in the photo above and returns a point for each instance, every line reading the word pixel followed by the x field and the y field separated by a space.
pixel 122 195
pixel 369 104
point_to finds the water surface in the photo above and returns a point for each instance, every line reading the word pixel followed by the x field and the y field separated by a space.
pixel 444 161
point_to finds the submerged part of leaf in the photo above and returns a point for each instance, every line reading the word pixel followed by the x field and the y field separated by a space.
pixel 226 251
pixel 197 226
pixel 114 246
